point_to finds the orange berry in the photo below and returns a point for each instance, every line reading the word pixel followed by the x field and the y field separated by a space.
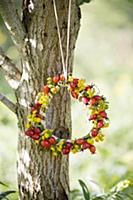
pixel 74 95
pixel 52 140
pixel 56 79
pixel 62 78
pixel 92 149
pixel 92 101
pixel 80 141
pixel 46 89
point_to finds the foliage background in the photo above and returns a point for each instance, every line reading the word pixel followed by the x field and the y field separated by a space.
pixel 104 56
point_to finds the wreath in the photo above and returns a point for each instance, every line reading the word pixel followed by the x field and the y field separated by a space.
pixel 88 95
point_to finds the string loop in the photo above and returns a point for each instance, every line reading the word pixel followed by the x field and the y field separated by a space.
pixel 64 61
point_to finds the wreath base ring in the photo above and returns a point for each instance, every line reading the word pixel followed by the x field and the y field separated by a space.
pixel 88 95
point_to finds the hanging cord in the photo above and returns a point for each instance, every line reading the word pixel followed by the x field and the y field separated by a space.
pixel 64 62
pixel 68 34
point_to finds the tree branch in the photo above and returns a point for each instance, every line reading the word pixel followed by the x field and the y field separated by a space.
pixel 12 20
pixel 8 103
pixel 12 73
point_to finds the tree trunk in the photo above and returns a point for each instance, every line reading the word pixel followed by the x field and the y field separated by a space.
pixel 40 174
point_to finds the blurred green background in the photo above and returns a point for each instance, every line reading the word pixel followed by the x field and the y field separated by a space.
pixel 104 56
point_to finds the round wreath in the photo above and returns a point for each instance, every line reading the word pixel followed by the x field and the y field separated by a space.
pixel 87 94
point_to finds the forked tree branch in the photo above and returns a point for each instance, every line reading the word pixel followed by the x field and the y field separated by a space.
pixel 8 103
pixel 12 73
pixel 12 21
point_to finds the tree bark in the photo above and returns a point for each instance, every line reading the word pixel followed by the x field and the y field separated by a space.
pixel 40 174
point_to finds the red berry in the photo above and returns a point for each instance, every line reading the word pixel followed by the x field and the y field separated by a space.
pixel 29 132
pixel 65 151
pixel 94 132
pixel 37 130
pixel 85 145
pixel 35 136
pixel 103 114
pixel 97 97
pixel 73 85
pixel 100 124
pixel 75 81
pixel 46 89
pixel 92 117
pixel 33 108
pixel 80 141
pixel 62 78
pixel 92 149
pixel 74 95
pixel 68 145
pixel 45 143
pixel 88 87
pixel 52 140
pixel 56 79
pixel 92 101
pixel 85 100
pixel 37 105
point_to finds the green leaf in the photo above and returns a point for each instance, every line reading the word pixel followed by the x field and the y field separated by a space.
pixel 100 197
pixel 3 195
pixel 75 194
pixel 80 2
pixel 85 190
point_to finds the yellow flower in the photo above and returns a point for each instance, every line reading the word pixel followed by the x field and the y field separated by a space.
pixel 76 91
pixel 54 90
pixel 28 124
pixel 29 116
pixel 90 141
pixel 55 153
pixel 36 141
pixel 53 148
pixel 70 79
pixel 101 137
pixel 106 125
pixel 43 99
pixel 61 142
pixel 43 137
pixel 49 80
pixel 97 138
pixel 36 119
pixel 47 133
pixel 76 147
pixel 74 151
pixel 81 84
pixel 91 92
pixel 59 148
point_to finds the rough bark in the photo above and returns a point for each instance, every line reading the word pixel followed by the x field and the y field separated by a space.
pixel 12 21
pixel 40 174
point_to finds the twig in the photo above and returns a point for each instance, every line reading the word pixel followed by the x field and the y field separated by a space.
pixel 12 73
pixel 8 103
